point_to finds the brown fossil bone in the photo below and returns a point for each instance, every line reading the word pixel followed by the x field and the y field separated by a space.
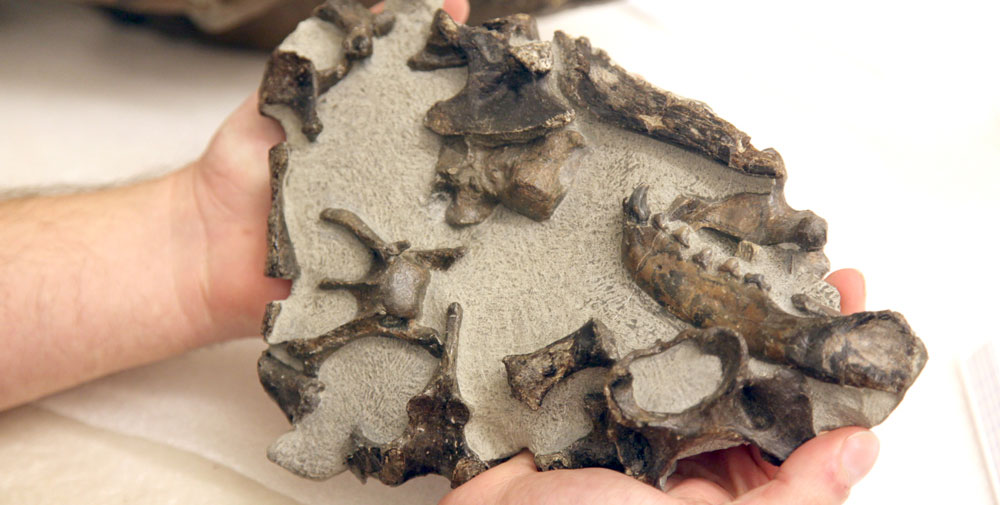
pixel 869 349
pixel 443 47
pixel 595 450
pixel 531 376
pixel 434 439
pixel 390 295
pixel 295 392
pixel 508 67
pixel 527 178
pixel 772 412
pixel 280 263
pixel 360 25
pixel 293 81
pixel 592 81
pixel 518 158
pixel 760 218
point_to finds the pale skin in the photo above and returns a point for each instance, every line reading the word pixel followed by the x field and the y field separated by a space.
pixel 99 282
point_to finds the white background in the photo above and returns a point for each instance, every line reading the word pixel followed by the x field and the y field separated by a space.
pixel 887 115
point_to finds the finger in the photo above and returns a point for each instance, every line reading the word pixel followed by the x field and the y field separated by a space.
pixel 696 490
pixel 245 137
pixel 766 468
pixel 484 487
pixel 458 9
pixel 519 482
pixel 851 285
pixel 821 472
pixel 734 469
pixel 522 464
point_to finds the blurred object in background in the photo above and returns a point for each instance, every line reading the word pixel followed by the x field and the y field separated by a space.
pixel 262 24
pixel 483 10
pixel 981 375
pixel 258 24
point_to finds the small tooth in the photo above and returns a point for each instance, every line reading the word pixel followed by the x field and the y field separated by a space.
pixel 747 250
pixel 731 266
pixel 757 280
pixel 683 235
pixel 703 258
pixel 660 221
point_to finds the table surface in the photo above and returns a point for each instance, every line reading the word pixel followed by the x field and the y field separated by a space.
pixel 887 117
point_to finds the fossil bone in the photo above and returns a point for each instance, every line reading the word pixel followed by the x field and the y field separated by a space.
pixel 292 80
pixel 763 219
pixel 870 349
pixel 517 158
pixel 771 412
pixel 592 81
pixel 532 375
pixel 389 297
pixel 370 395
pixel 434 440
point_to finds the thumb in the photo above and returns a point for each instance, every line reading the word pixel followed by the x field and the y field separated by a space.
pixel 821 472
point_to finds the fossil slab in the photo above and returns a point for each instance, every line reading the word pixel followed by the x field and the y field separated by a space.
pixel 629 284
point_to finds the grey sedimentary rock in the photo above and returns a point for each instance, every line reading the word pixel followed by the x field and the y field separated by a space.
pixel 595 332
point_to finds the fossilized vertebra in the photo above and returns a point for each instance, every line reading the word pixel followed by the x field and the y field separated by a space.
pixel 772 412
pixel 434 440
pixel 389 297
pixel 518 158
pixel 531 376
pixel 527 178
pixel 293 81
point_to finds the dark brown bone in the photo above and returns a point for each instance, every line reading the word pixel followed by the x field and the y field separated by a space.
pixel 870 349
pixel 281 262
pixel 772 412
pixel 295 392
pixel 764 219
pixel 531 376
pixel 507 71
pixel 434 440
pixel 390 295
pixel 443 49
pixel 292 80
pixel 526 178
pixel 591 81
pixel 359 24
pixel 517 158
pixel 593 450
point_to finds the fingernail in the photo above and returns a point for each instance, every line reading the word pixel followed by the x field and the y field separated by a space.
pixel 857 455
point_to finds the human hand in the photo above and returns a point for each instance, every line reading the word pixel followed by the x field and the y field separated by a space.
pixel 820 472
pixel 225 198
